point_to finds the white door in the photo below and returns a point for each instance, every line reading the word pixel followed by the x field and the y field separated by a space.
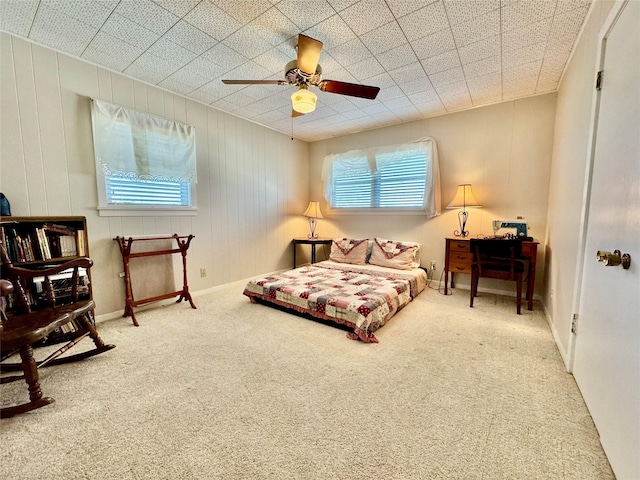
pixel 607 345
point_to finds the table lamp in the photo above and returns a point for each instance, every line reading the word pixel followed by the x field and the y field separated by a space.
pixel 313 212
pixel 464 198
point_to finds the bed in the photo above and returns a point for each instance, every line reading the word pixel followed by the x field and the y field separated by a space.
pixel 347 289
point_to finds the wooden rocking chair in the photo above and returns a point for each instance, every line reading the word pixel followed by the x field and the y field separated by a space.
pixel 21 327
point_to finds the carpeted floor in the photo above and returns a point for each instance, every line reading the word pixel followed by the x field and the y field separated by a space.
pixel 235 390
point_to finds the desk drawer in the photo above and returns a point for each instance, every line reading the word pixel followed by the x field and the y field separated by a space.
pixel 463 246
pixel 460 257
pixel 460 267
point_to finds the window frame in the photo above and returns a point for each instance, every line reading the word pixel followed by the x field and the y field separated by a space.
pixel 431 206
pixel 103 170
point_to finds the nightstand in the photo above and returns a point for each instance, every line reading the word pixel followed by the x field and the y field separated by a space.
pixel 309 241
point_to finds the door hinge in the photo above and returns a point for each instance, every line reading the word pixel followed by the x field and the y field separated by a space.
pixel 574 323
pixel 599 81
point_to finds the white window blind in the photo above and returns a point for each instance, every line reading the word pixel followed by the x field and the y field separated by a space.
pixel 399 177
pixel 142 161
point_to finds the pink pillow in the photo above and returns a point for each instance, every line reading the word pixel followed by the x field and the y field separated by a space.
pixel 349 250
pixel 393 254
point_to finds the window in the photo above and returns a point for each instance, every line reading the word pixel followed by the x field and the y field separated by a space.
pixel 143 162
pixel 400 177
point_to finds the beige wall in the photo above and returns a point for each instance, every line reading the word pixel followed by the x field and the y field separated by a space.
pixel 571 139
pixel 503 150
pixel 252 181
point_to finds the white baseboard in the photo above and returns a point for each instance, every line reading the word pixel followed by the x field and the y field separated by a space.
pixel 563 353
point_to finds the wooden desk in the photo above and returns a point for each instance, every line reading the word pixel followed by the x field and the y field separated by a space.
pixel 458 258
pixel 310 241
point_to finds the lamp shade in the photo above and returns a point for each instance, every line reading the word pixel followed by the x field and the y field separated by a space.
pixel 313 210
pixel 464 198
pixel 303 101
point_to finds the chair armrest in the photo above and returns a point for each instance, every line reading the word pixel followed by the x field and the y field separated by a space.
pixel 6 287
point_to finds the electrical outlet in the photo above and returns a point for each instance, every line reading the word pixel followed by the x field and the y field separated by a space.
pixel 121 274
pixel 432 265
pixel 203 272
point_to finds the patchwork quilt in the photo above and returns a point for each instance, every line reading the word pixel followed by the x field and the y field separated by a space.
pixel 360 296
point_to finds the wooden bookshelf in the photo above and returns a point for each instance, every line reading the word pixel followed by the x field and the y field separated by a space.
pixel 38 242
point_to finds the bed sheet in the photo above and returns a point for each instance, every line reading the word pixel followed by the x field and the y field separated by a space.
pixel 363 297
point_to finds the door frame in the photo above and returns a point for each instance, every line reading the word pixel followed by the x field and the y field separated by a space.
pixel 606 29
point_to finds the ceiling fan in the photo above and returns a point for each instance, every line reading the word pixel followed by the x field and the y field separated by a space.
pixel 305 72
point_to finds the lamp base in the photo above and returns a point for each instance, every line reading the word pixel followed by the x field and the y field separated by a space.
pixel 462 219
pixel 312 227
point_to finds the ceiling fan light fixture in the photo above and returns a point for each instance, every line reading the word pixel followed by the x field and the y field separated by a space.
pixel 303 100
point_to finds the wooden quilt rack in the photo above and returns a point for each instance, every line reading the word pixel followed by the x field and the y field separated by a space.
pixel 125 244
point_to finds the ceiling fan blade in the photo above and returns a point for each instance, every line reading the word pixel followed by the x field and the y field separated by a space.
pixel 254 82
pixel 295 114
pixel 308 54
pixel 352 89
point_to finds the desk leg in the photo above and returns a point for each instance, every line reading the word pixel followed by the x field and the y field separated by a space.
pixel 446 282
pixel 313 253
pixel 294 254
pixel 531 281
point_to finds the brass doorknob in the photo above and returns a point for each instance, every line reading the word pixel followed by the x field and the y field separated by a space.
pixel 614 259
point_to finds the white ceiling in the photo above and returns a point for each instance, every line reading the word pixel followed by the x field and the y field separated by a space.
pixel 428 57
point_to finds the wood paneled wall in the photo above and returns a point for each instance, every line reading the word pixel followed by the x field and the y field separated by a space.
pixel 252 182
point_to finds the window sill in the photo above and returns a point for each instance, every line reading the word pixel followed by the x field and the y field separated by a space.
pixel 376 211
pixel 135 211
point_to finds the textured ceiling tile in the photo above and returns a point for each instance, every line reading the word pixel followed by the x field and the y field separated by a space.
pixel 416 86
pixel 111 52
pixel 519 88
pixel 151 68
pixel 397 57
pixel 390 93
pixel 189 37
pixel 179 8
pixel 454 75
pixel 489 47
pixel 86 11
pixel 455 103
pixel 273 61
pixel 511 58
pixel 452 89
pixel 247 42
pixel 360 18
pixel 384 38
pixel 171 52
pixel 187 79
pixel 212 21
pixel 481 67
pixel 16 16
pixel 530 34
pixel 519 14
pixel 413 71
pixel 349 52
pixel 60 31
pixel 490 83
pixel 400 8
pixel 439 63
pixel 128 31
pixel 476 29
pixel 398 103
pixel 306 14
pixel 568 23
pixel 339 5
pixel 274 27
pixel 459 11
pixel 332 32
pixel 147 13
pixel 434 44
pixel 204 68
pixel 247 71
pixel 243 11
pixel 567 5
pixel 365 69
pixel 519 71
pixel 423 22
